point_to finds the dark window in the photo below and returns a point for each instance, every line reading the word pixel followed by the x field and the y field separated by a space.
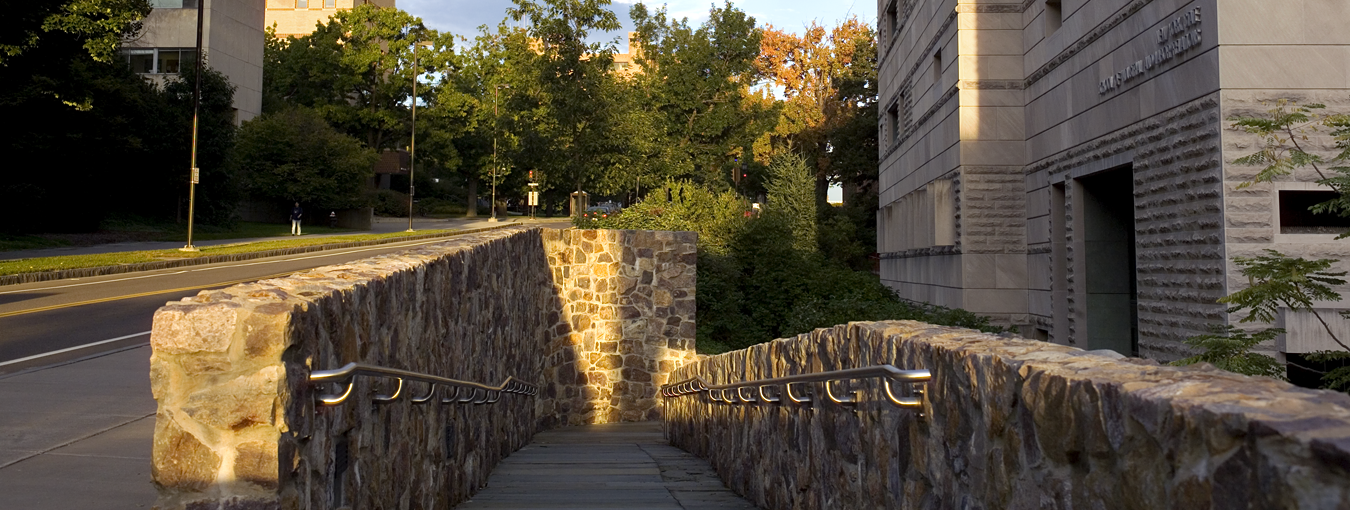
pixel 937 71
pixel 893 20
pixel 142 63
pixel 168 61
pixel 1054 16
pixel 893 122
pixel 1295 218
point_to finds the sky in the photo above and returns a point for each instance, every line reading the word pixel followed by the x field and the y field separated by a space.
pixel 462 17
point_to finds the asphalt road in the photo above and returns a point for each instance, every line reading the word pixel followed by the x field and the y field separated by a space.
pixel 50 322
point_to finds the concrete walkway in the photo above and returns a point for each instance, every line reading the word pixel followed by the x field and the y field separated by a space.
pixel 620 465
pixel 78 435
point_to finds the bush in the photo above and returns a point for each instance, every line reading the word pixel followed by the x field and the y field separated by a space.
pixel 293 155
pixel 764 278
pixel 387 202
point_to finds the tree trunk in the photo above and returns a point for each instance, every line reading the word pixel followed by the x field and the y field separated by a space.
pixel 472 210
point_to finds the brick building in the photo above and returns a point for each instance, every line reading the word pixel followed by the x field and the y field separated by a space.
pixel 1066 166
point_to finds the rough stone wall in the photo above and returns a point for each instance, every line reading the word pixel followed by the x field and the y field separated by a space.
pixel 237 426
pixel 1179 224
pixel 1015 424
pixel 627 322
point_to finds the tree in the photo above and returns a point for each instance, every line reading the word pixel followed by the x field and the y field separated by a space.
pixel 98 25
pixel 293 155
pixel 695 84
pixel 792 197
pixel 829 113
pixel 357 71
pixel 1276 280
pixel 561 104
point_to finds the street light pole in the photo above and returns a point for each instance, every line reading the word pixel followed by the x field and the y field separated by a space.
pixel 412 146
pixel 495 90
pixel 195 173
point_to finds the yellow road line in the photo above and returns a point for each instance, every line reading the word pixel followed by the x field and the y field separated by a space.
pixel 142 294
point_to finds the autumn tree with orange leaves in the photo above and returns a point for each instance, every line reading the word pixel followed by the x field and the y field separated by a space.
pixel 827 78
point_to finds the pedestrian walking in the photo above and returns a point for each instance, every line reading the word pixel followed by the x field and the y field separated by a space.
pixel 296 213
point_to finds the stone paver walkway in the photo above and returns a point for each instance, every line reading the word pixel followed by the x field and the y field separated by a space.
pixel 618 465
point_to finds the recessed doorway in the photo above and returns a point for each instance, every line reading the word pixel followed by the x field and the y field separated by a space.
pixel 1109 267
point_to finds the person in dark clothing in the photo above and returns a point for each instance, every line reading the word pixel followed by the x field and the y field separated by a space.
pixel 296 213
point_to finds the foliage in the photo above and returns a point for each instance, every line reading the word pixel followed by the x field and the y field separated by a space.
pixel 1229 348
pixel 293 155
pixel 1275 280
pixel 830 112
pixel 758 281
pixel 718 217
pixel 98 25
pixel 1284 132
pixel 792 197
pixel 357 71
pixel 694 85
pixel 123 137
pixel 387 202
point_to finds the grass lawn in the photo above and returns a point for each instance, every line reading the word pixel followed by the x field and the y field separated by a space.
pixel 34 265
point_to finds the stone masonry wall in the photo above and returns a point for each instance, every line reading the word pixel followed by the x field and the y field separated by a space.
pixel 1015 424
pixel 237 426
pixel 628 321
pixel 1179 226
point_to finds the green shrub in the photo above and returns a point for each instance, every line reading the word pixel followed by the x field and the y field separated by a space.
pixel 757 279
pixel 388 202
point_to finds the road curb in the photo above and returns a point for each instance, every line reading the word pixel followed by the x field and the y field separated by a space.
pixel 15 279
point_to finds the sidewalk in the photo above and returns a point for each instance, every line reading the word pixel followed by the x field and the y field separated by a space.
pixel 381 226
pixel 78 435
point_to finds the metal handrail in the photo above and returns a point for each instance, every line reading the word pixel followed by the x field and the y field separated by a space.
pixel 346 374
pixel 732 393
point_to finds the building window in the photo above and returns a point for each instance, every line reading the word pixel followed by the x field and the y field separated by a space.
pixel 1054 16
pixel 893 20
pixel 1295 218
pixel 937 71
pixel 160 60
pixel 893 122
pixel 329 4
pixel 301 4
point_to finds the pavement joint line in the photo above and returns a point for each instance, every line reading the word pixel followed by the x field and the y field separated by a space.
pixel 68 349
pixel 76 440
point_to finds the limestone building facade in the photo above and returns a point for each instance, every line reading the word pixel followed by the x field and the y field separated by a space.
pixel 1068 166
pixel 232 40
pixel 298 17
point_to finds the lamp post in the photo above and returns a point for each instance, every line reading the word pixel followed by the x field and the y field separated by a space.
pixel 495 89
pixel 412 146
pixel 195 173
